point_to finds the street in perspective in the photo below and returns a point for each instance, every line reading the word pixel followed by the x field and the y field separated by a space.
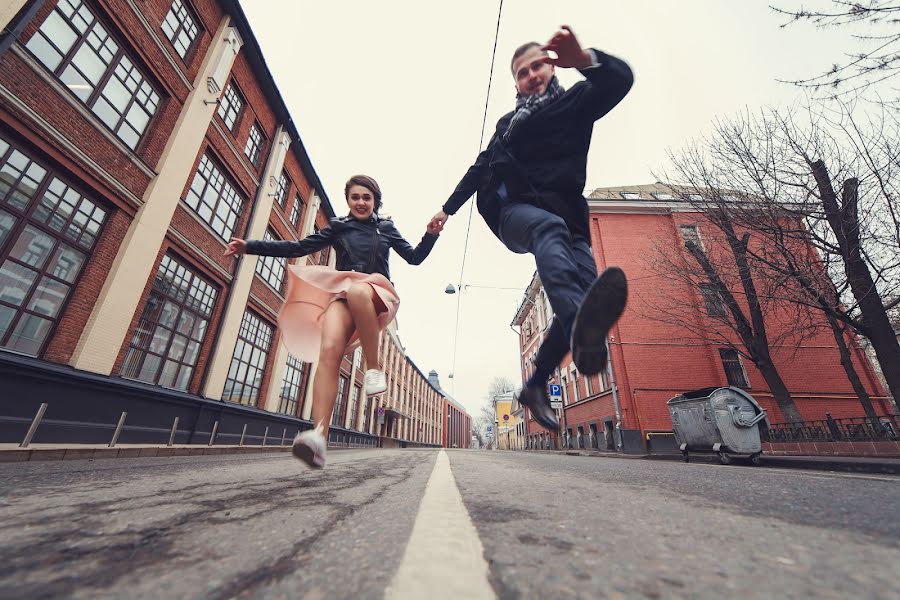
pixel 477 299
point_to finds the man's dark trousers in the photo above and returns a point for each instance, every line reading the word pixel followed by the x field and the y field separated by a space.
pixel 567 269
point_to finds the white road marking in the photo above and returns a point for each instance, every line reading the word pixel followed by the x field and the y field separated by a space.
pixel 444 557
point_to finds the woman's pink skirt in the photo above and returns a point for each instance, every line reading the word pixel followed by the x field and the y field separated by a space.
pixel 310 291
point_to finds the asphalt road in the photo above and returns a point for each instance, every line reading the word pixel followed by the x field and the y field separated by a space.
pixel 549 525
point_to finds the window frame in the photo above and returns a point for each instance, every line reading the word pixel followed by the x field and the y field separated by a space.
pixel 253 149
pixel 27 216
pixel 110 66
pixel 685 238
pixel 712 301
pixel 227 184
pixel 250 320
pixel 340 406
pixel 183 306
pixel 740 363
pixel 294 375
pixel 296 216
pixel 232 87
pixel 188 55
pixel 283 185
pixel 353 401
pixel 270 264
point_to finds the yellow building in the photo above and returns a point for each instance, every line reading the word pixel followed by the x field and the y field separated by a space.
pixel 507 421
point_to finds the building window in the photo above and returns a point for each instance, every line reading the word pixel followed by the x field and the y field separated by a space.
pixel 576 384
pixel 357 358
pixel 297 211
pixel 695 197
pixel 338 414
pixel 77 48
pixel 604 380
pixel 662 196
pixel 734 368
pixel 47 230
pixel 690 233
pixel 180 27
pixel 324 255
pixel 281 189
pixel 166 344
pixel 230 106
pixel 631 195
pixel 249 360
pixel 354 405
pixel 290 387
pixel 214 199
pixel 368 415
pixel 253 149
pixel 715 307
pixel 271 268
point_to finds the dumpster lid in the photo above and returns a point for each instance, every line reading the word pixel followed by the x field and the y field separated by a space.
pixel 746 396
pixel 709 391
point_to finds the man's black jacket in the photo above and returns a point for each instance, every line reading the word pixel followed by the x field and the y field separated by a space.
pixel 362 246
pixel 546 160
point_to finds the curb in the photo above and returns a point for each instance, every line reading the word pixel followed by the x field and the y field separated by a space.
pixel 92 453
pixel 848 464
pixel 889 466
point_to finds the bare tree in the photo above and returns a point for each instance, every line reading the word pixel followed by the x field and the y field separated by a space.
pixel 838 254
pixel 739 301
pixel 876 30
pixel 499 386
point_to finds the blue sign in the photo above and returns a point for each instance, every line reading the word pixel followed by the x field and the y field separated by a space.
pixel 555 390
pixel 490 428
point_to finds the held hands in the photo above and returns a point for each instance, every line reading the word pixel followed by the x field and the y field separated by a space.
pixel 236 247
pixel 568 50
pixel 437 222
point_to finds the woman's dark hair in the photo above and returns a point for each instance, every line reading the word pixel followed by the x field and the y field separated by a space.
pixel 368 183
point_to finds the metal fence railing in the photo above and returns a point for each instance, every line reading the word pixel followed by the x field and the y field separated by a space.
pixel 853 429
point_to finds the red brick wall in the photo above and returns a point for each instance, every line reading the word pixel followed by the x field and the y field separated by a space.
pixel 655 360
pixel 81 302
pixel 30 89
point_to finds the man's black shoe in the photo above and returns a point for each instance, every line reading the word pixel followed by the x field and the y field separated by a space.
pixel 602 306
pixel 538 402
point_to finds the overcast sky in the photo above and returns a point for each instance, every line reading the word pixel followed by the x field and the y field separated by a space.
pixel 396 90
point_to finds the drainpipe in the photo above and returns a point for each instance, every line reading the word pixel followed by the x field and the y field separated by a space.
pixel 615 395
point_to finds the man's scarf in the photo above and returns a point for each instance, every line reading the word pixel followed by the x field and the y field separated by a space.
pixel 528 105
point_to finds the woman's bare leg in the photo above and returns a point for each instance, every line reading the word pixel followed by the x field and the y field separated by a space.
pixel 361 301
pixel 337 327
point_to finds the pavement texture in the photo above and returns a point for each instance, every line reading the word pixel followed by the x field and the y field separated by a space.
pixel 550 525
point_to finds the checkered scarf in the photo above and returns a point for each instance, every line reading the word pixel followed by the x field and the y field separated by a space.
pixel 527 105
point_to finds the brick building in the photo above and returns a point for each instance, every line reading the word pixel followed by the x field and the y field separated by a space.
pixel 136 138
pixel 652 360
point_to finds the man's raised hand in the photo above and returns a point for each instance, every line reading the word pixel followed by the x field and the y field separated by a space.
pixel 568 50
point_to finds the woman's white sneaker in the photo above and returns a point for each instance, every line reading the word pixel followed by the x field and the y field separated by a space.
pixel 376 382
pixel 309 446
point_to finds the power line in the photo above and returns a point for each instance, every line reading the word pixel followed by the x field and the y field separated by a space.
pixel 462 268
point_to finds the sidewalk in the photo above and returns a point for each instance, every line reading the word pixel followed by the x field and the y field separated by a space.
pixel 853 464
pixel 45 452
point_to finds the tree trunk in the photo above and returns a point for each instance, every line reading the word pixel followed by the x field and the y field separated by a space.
pixel 844 223
pixel 852 375
pixel 779 390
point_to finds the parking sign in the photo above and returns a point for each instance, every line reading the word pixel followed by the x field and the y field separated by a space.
pixel 555 396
